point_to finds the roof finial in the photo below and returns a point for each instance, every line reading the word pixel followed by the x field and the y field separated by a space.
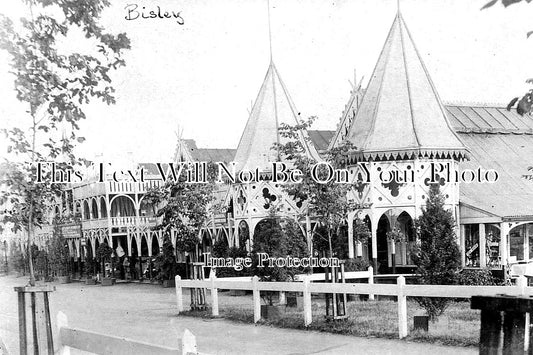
pixel 398 7
pixel 269 30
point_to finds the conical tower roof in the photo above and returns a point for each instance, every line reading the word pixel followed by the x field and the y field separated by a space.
pixel 273 106
pixel 401 115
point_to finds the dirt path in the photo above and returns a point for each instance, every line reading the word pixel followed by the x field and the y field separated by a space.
pixel 147 313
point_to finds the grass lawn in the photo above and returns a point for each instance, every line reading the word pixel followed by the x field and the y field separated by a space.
pixel 459 325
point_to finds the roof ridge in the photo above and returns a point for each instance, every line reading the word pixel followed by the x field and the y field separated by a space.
pixel 473 103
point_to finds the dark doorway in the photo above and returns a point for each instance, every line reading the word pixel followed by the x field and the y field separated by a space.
pixel 382 245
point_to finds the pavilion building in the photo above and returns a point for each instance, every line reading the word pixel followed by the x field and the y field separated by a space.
pixel 397 123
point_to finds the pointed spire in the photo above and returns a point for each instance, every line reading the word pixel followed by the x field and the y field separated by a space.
pixel 401 114
pixel 269 30
pixel 272 107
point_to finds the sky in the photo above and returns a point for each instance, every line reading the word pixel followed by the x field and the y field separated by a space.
pixel 198 80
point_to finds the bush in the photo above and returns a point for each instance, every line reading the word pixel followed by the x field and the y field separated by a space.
pixel 439 258
pixel 359 264
pixel 482 277
pixel 166 261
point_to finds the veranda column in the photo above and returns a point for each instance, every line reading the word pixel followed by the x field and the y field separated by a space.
pixel 375 246
pixel 504 231
pixel 482 246
pixel 309 233
pixel 350 237
pixel 462 245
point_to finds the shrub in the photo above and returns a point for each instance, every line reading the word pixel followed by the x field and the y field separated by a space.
pixel 359 264
pixel 481 277
pixel 438 261
pixel 166 261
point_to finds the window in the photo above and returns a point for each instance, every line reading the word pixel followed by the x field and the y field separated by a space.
pixel 492 236
pixel 516 242
pixel 472 245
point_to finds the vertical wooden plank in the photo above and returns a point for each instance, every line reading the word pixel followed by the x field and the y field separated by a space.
pixel 402 309
pixel 179 293
pixel 256 299
pixel 23 345
pixel 350 238
pixel 371 281
pixel 490 330
pixel 62 322
pixel 34 324
pixel 214 296
pixel 513 333
pixel 308 317
pixel 49 337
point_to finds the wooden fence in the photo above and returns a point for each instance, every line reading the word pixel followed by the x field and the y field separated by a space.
pixel 400 290
pixel 98 343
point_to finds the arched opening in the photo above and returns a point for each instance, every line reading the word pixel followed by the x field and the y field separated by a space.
pixel 86 213
pixel 244 235
pixel 146 209
pixel 122 206
pixel 77 209
pixel 57 213
pixel 96 264
pixel 94 209
pixel 403 249
pixel 206 246
pixel 382 244
pixel 134 260
pixel 103 208
pixel 280 238
pixel 155 246
pixel 367 248
pixel 144 246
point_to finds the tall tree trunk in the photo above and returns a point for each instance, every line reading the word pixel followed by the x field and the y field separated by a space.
pixel 30 214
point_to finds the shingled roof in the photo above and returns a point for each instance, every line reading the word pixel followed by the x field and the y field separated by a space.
pixel 501 140
pixel 401 115
pixel 272 107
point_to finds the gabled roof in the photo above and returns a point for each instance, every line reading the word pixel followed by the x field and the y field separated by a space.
pixel 272 107
pixel 401 115
pixel 187 150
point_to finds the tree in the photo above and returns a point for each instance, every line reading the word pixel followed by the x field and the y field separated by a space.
pixel 279 238
pixel 327 201
pixel 58 254
pixel 104 253
pixel 166 261
pixel 54 85
pixel 523 104
pixel 438 259
pixel 185 208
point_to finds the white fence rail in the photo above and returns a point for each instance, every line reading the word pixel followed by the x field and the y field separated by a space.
pixel 97 343
pixel 400 290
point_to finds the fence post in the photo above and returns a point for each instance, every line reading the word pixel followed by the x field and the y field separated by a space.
pixel 62 322
pixel 256 299
pixel 308 316
pixel 188 343
pixel 179 293
pixel 370 281
pixel 214 296
pixel 402 308
pixel 282 297
pixel 521 282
